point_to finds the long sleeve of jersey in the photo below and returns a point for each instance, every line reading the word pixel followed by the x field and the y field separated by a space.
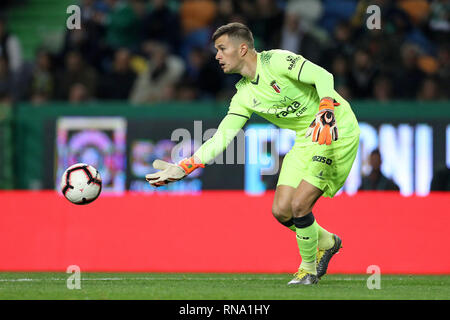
pixel 296 67
pixel 319 77
pixel 227 130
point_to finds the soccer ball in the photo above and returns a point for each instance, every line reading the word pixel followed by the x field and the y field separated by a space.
pixel 81 183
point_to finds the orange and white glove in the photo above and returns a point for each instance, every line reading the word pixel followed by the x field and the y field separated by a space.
pixel 323 128
pixel 170 172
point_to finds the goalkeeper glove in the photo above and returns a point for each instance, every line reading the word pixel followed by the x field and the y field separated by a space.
pixel 323 128
pixel 170 172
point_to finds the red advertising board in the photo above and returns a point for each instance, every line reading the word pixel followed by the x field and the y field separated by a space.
pixel 218 231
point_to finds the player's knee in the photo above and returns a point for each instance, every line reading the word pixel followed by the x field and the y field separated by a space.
pixel 281 212
pixel 300 207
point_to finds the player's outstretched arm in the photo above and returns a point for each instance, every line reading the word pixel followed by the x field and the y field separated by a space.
pixel 170 172
pixel 227 130
pixel 323 129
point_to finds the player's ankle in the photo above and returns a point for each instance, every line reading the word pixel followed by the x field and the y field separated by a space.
pixel 309 267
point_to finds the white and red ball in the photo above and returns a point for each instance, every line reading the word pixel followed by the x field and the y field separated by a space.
pixel 81 183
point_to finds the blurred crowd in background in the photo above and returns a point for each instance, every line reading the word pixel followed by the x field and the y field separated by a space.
pixel 146 51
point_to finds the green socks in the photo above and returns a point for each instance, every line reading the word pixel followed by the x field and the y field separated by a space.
pixel 326 240
pixel 307 231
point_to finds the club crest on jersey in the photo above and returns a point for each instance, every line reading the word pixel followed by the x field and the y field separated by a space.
pixel 275 86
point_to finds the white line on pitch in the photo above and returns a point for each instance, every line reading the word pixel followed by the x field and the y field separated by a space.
pixel 162 279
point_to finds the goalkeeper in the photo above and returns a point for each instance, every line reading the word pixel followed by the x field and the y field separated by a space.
pixel 293 93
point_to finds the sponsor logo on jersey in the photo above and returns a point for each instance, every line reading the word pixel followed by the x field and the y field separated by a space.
pixel 289 109
pixel 325 160
pixel 293 61
pixel 300 112
pixel 293 107
pixel 286 107
pixel 275 86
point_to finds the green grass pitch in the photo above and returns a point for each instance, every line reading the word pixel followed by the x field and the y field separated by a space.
pixel 208 286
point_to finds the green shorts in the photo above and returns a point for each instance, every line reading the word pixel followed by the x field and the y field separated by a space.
pixel 325 167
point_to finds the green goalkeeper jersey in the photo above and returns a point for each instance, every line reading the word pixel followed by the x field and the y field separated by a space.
pixel 286 91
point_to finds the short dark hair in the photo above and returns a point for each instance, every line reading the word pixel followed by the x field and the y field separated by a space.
pixel 376 151
pixel 235 30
